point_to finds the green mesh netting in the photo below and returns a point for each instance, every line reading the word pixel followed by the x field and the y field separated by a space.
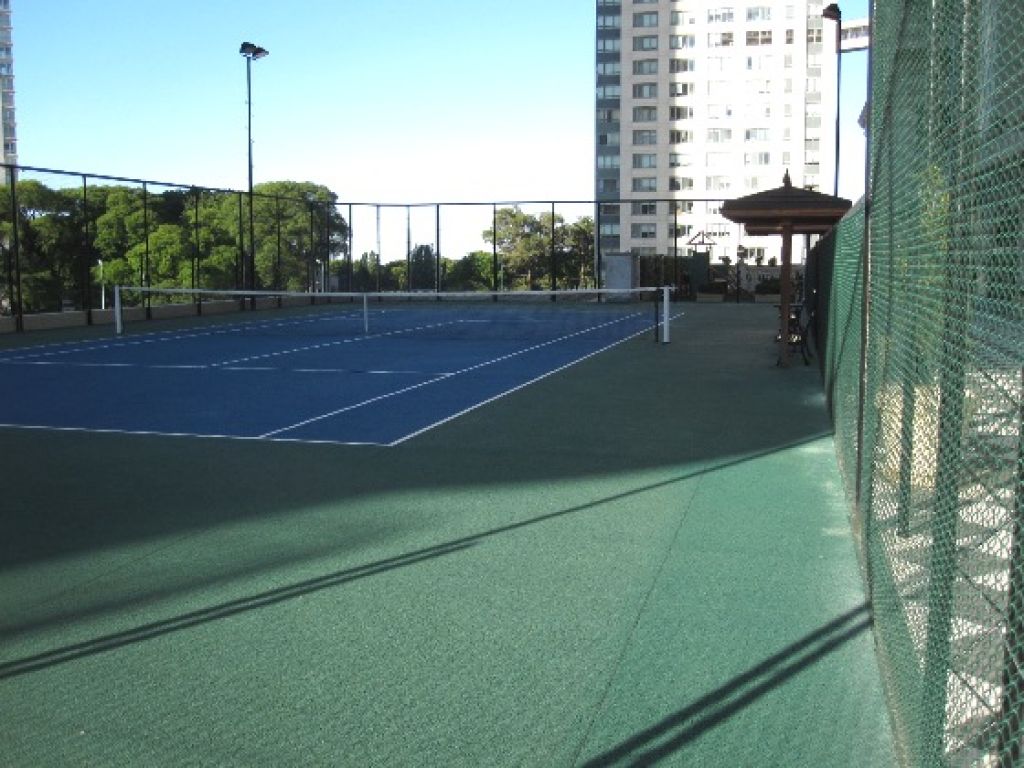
pixel 929 428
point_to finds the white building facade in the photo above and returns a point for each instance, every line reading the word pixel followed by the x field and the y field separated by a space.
pixel 699 101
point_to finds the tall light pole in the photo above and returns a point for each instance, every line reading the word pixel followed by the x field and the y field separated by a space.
pixel 250 51
pixel 832 13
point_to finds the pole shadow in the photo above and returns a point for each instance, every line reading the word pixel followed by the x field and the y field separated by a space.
pixel 688 724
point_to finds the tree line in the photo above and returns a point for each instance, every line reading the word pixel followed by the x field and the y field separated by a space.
pixel 70 242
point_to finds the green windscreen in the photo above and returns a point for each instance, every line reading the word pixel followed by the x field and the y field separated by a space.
pixel 926 385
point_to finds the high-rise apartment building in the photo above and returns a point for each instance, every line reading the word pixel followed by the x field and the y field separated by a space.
pixel 699 101
pixel 7 132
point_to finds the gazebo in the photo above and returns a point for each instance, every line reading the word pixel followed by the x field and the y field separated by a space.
pixel 786 211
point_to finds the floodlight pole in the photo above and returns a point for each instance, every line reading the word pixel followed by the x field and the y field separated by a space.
pixel 250 51
pixel 833 13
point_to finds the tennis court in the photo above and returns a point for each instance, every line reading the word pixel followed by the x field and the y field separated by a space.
pixel 367 373
pixel 644 558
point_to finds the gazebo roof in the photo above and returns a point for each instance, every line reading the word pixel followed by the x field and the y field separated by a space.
pixel 807 211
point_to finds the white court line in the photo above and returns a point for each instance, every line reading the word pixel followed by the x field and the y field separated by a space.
pixel 518 387
pixel 199 435
pixel 152 337
pixel 403 390
pixel 338 342
pixel 353 407
pixel 356 443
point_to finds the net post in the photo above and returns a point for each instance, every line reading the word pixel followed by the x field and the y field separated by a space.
pixel 366 314
pixel 118 321
pixel 664 314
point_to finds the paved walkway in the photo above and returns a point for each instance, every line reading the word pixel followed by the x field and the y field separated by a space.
pixel 645 559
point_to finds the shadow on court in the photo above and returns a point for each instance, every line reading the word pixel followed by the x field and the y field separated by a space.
pixel 565 575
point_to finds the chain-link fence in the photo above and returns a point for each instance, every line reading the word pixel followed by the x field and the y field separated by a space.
pixel 926 385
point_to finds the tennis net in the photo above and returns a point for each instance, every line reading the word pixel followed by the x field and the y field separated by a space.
pixel 534 315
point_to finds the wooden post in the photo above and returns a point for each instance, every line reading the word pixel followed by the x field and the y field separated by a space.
pixel 785 292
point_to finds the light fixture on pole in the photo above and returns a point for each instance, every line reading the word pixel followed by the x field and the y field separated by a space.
pixel 250 51
pixel 832 13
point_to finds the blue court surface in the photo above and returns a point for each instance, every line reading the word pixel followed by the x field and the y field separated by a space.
pixel 325 374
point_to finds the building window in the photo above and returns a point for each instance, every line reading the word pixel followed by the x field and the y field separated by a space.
pixel 758 62
pixel 608 139
pixel 645 160
pixel 609 91
pixel 759 13
pixel 759 87
pixel 680 113
pixel 719 135
pixel 645 67
pixel 645 137
pixel 608 115
pixel 757 158
pixel 645 43
pixel 681 41
pixel 645 114
pixel 718 63
pixel 679 18
pixel 609 68
pixel 759 37
pixel 681 65
pixel 606 186
pixel 645 184
pixel 679 160
pixel 789 37
pixel 756 134
pixel 814 35
pixel 645 19
pixel 679 183
pixel 609 21
pixel 718 15
pixel 719 111
pixel 644 231
pixel 680 230
pixel 645 209
pixel 609 228
pixel 680 137
pixel 605 44
pixel 645 90
pixel 720 39
pixel 718 184
pixel 607 161
pixel 681 89
pixel 681 206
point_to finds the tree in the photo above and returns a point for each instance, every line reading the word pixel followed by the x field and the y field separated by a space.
pixel 473 272
pixel 423 265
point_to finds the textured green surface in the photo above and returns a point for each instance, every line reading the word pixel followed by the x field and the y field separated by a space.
pixel 645 557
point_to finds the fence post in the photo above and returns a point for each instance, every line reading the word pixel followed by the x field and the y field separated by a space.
pixel 86 266
pixel 146 281
pixel 19 317
pixel 554 256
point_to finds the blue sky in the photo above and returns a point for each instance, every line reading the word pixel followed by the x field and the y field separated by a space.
pixel 398 101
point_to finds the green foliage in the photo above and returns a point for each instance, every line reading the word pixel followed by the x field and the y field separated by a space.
pixel 528 256
pixel 168 238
